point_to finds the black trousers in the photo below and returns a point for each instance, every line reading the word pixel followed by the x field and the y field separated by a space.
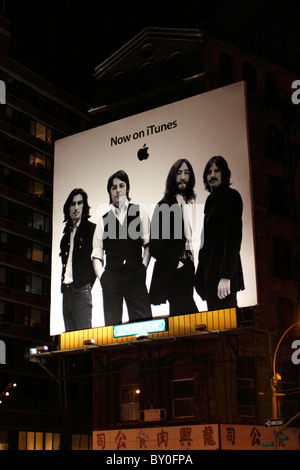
pixel 129 284
pixel 77 307
pixel 181 293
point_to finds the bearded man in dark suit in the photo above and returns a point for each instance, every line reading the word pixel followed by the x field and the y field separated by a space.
pixel 170 243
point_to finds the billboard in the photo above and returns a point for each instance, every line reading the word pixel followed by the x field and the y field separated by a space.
pixel 158 254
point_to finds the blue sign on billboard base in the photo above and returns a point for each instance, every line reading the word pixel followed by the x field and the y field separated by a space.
pixel 145 327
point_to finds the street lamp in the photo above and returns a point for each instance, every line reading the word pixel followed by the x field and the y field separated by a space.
pixel 276 376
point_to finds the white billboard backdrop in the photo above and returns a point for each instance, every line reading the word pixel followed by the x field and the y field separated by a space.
pixel 196 128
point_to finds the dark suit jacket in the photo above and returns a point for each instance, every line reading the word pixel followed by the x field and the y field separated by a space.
pixel 220 255
pixel 83 271
pixel 167 246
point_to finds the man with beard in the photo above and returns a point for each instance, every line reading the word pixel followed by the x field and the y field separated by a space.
pixel 170 243
pixel 219 273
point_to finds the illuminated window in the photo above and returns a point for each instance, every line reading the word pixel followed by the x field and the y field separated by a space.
pixel 35 188
pixel 52 441
pixel 38 253
pixel 38 441
pixel 183 398
pixel 35 253
pixel 40 131
pixel 129 402
pixel 39 160
pixel 3 440
pixel 40 190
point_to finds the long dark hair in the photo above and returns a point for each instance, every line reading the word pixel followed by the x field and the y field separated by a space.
pixel 171 186
pixel 86 207
pixel 223 167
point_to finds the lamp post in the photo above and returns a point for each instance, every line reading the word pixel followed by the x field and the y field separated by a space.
pixel 276 377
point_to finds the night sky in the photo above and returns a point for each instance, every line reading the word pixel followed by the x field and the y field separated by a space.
pixel 64 40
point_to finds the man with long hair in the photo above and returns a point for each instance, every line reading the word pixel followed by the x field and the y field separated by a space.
pixel 122 238
pixel 219 274
pixel 78 275
pixel 170 243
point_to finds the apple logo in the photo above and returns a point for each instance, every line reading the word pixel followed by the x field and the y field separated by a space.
pixel 143 153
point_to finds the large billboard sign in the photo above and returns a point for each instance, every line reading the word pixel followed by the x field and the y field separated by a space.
pixel 146 223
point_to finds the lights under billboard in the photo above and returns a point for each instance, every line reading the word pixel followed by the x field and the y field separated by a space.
pixel 145 225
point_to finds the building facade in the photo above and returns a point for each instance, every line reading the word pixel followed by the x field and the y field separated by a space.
pixel 205 379
pixel 34 115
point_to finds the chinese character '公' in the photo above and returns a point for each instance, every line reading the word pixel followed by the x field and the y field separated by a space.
pixel 120 438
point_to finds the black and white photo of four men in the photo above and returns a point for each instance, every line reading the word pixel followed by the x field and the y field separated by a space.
pixel 118 249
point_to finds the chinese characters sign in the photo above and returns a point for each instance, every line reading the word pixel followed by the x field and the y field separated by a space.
pixel 162 438
pixel 256 438
pixel 197 437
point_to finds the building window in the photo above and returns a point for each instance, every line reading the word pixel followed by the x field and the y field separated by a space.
pixel 3 241
pixel 2 275
pixel 33 318
pixel 39 222
pixel 39 160
pixel 246 387
pixel 3 440
pixel 37 285
pixel 39 441
pixel 82 442
pixel 40 131
pixel 35 253
pixel 129 402
pixel 38 253
pixel 34 284
pixel 183 398
pixel 40 190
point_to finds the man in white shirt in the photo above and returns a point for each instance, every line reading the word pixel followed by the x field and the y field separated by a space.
pixel 122 238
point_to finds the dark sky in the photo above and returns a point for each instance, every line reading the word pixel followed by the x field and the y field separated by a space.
pixel 63 40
